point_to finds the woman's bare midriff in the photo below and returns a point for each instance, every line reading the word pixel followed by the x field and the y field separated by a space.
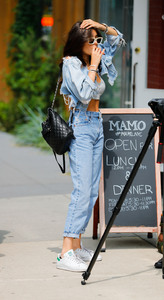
pixel 93 105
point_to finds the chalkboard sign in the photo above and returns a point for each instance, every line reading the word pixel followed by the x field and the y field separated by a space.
pixel 125 132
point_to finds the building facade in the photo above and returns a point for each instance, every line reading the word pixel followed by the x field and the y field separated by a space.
pixel 140 63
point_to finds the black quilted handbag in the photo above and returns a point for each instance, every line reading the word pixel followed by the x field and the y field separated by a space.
pixel 56 132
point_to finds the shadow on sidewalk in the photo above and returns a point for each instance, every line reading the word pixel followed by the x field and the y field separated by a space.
pixel 2 235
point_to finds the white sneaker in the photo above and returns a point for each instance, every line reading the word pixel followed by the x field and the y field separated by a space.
pixel 86 254
pixel 70 262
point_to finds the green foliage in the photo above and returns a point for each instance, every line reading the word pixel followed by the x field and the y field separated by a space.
pixel 33 65
pixel 28 15
pixel 29 133
pixel 9 115
pixel 33 74
pixel 4 115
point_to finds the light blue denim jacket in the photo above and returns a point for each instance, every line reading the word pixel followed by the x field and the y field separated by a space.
pixel 77 85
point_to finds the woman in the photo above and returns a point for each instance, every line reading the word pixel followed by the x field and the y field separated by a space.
pixel 86 58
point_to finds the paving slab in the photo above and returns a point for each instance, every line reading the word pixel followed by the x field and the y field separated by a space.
pixel 34 198
pixel 26 171
pixel 28 271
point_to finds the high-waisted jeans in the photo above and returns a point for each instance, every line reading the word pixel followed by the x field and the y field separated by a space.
pixel 85 157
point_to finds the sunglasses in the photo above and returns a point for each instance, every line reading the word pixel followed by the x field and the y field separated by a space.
pixel 92 40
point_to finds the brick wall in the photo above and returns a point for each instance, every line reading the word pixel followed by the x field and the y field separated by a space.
pixel 156 45
pixel 7 19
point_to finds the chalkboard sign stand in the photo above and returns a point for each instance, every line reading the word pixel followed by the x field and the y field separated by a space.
pixel 134 114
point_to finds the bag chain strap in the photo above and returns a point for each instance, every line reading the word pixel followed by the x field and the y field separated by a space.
pixel 56 90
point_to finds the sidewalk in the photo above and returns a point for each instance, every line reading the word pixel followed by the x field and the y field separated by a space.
pixel 34 198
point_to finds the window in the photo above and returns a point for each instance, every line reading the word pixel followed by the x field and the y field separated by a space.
pixel 155 71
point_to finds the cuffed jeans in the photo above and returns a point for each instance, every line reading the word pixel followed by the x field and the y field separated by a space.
pixel 85 157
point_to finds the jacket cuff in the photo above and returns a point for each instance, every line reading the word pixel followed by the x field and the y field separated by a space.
pixel 115 39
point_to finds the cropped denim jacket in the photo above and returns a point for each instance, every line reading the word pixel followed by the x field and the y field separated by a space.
pixel 77 85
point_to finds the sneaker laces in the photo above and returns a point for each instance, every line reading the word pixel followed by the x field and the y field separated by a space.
pixel 76 259
pixel 88 250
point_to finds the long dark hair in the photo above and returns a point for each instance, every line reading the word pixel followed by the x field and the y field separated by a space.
pixel 76 39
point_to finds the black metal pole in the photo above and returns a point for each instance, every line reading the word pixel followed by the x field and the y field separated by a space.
pixel 160 160
pixel 162 133
pixel 117 208
pixel 163 237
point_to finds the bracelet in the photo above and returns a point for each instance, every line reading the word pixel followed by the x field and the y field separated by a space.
pixel 106 27
pixel 92 66
pixel 96 71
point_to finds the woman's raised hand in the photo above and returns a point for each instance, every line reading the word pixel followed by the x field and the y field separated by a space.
pixel 88 23
pixel 96 56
